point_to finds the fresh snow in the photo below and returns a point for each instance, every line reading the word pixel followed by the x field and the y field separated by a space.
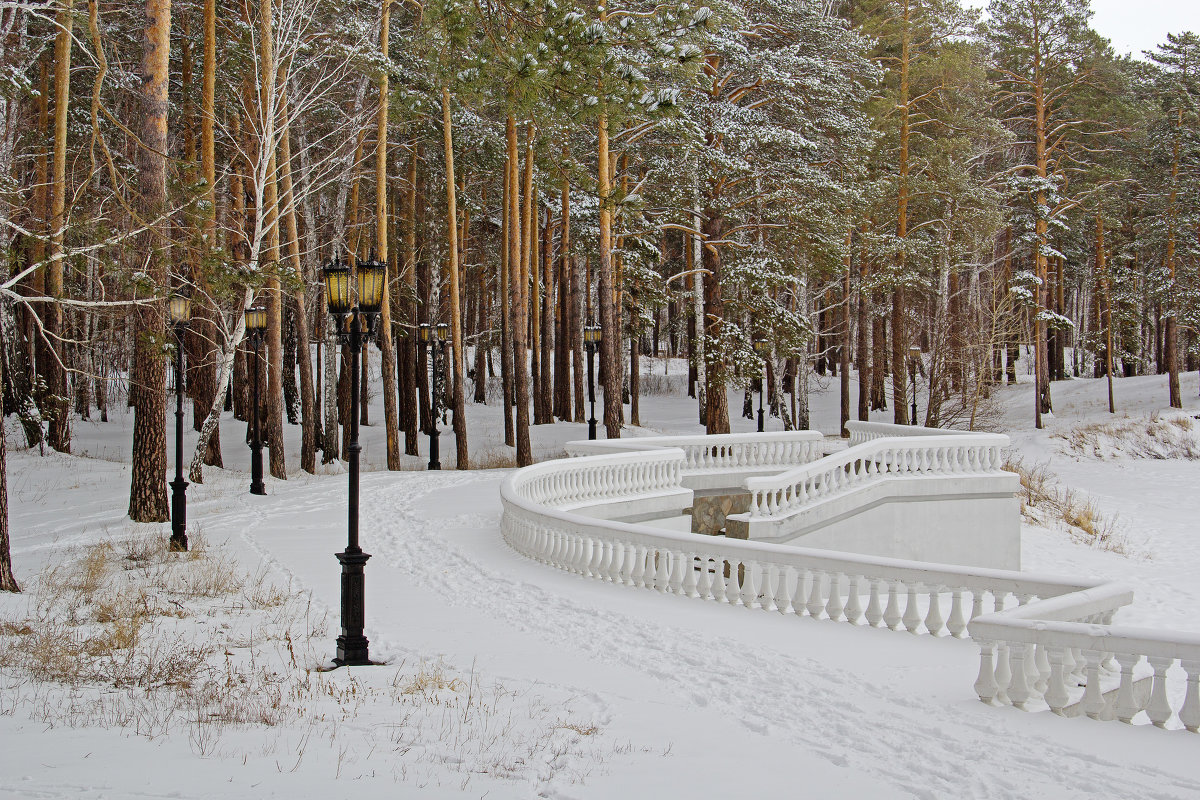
pixel 585 689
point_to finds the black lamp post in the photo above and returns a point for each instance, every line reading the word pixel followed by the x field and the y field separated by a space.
pixel 591 338
pixel 256 328
pixel 433 337
pixel 763 348
pixel 180 307
pixel 355 326
pixel 914 353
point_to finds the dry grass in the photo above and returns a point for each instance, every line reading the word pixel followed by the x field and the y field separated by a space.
pixel 1154 437
pixel 495 458
pixel 126 634
pixel 1045 502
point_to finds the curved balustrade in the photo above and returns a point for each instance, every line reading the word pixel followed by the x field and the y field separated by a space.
pixel 721 452
pixel 873 460
pixel 1045 641
pixel 578 481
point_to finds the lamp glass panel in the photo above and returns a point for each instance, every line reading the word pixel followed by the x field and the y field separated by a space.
pixel 337 289
pixel 181 308
pixel 423 332
pixel 256 318
pixel 443 331
pixel 370 285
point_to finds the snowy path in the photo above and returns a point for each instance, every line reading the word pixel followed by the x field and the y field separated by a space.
pixel 691 699
pixel 746 697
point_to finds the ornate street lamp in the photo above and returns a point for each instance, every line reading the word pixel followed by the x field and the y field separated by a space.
pixel 591 338
pixel 433 337
pixel 180 308
pixel 256 329
pixel 355 325
pixel 763 348
pixel 914 355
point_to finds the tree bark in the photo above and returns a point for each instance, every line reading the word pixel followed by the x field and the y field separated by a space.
pixel 387 352
pixel 148 486
pixel 456 332
pixel 56 374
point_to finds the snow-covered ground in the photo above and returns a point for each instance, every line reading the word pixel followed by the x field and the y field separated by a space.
pixel 548 685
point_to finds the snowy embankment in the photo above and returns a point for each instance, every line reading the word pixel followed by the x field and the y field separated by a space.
pixel 508 679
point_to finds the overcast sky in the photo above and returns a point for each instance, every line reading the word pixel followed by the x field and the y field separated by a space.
pixel 1137 25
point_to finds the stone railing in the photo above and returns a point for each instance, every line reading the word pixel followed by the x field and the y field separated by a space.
pixel 866 431
pixel 573 482
pixel 721 452
pixel 873 460
pixel 1045 641
pixel 1059 653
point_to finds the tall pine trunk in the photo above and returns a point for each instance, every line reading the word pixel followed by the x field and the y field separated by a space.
pixel 456 332
pixel 148 485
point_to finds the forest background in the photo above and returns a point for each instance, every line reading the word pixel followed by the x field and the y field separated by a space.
pixel 875 188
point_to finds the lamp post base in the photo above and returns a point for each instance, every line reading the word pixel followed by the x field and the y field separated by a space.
pixel 592 428
pixel 760 420
pixel 256 472
pixel 179 541
pixel 352 645
pixel 435 461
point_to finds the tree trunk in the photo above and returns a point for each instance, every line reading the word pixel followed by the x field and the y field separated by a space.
pixel 409 416
pixel 387 352
pixel 60 417
pixel 148 486
pixel 507 265
pixel 456 331
pixel 8 581
pixel 520 230
pixel 308 402
pixel 716 412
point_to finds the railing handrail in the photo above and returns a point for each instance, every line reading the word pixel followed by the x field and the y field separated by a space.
pixel 874 567
pixel 788 492
pixel 861 431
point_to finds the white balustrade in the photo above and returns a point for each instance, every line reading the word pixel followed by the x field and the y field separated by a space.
pixel 871 461
pixel 721 452
pixel 1045 642
pixel 866 431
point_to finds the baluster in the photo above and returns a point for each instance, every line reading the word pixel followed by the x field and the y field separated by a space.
pixel 1093 697
pixel 766 585
pixel 933 619
pixel 782 599
pixel 957 625
pixel 750 589
pixel 1000 597
pixel 854 609
pixel 623 563
pixel 1041 665
pixel 606 560
pixel 891 614
pixel 733 582
pixel 976 603
pixel 833 608
pixel 1159 709
pixel 815 603
pixel 718 579
pixel 874 613
pixel 1127 705
pixel 985 684
pixel 636 558
pixel 687 564
pixel 704 584
pixel 1055 692
pixel 1189 715
pixel 1003 672
pixel 662 575
pixel 798 593
pixel 595 555
pixel 912 615
pixel 1019 690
